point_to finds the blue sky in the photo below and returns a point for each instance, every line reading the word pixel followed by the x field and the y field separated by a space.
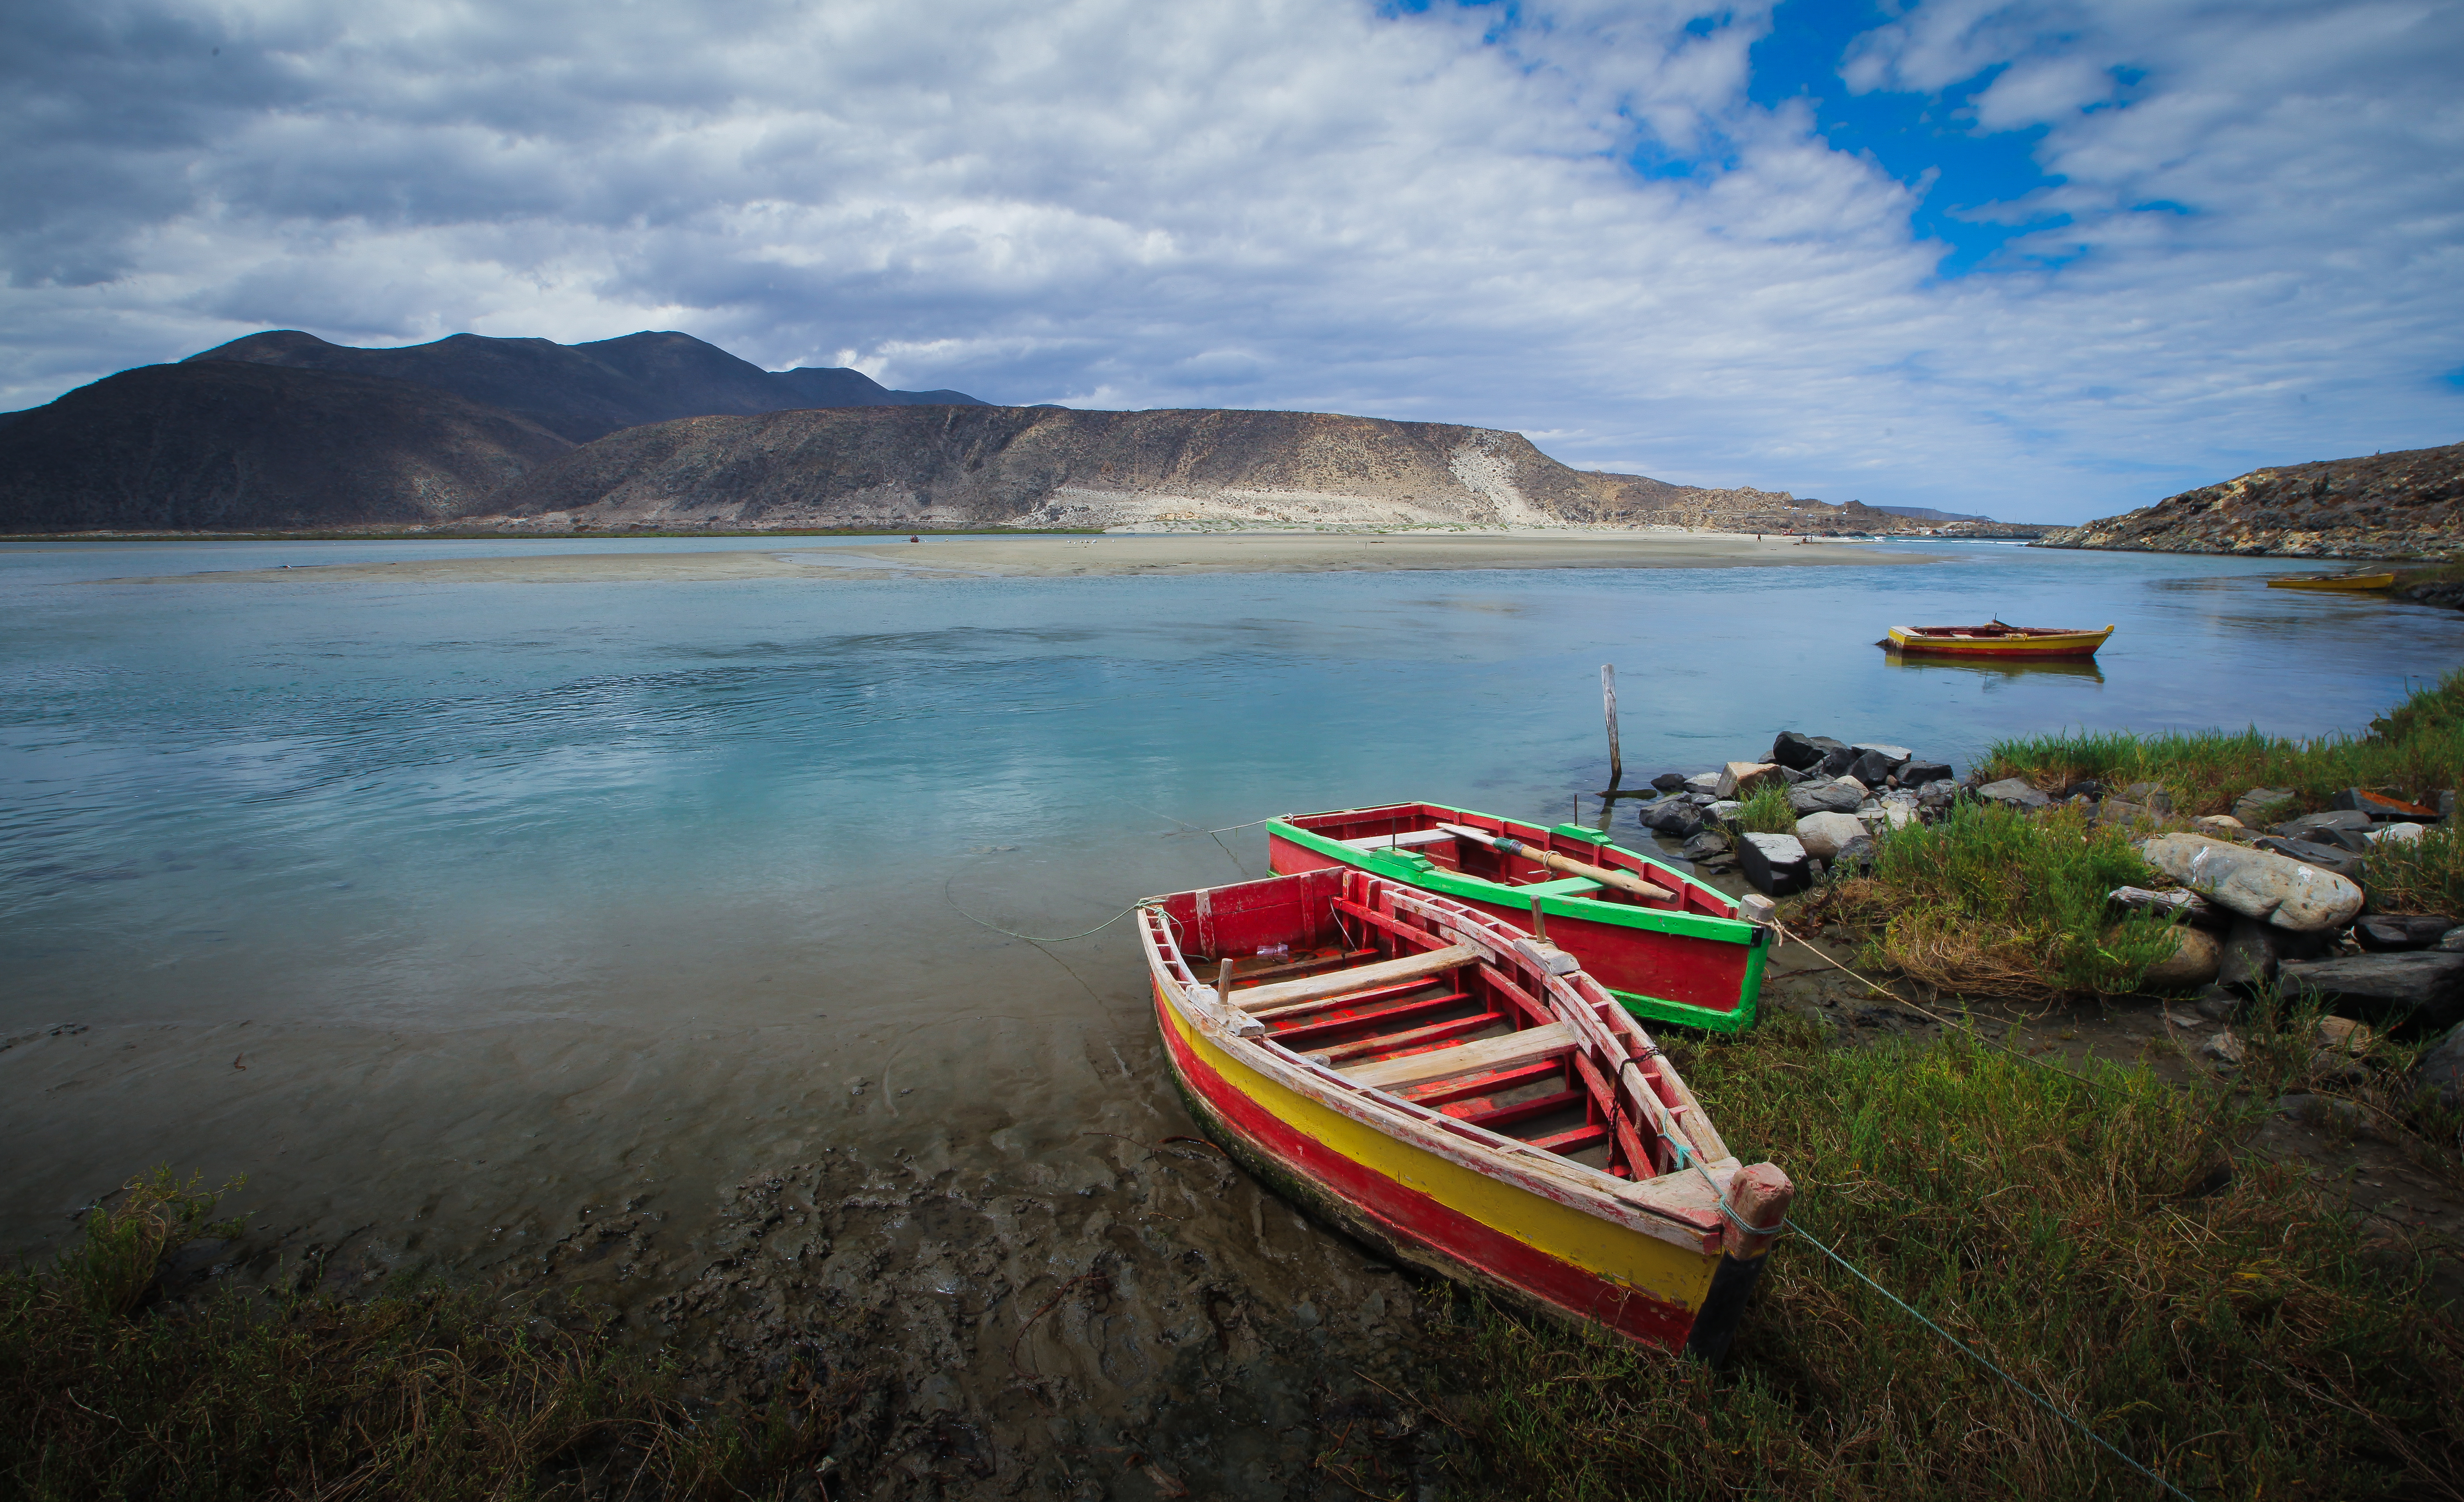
pixel 2045 258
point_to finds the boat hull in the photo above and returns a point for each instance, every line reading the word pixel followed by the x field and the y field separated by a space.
pixel 2003 649
pixel 1525 1250
pixel 2355 583
pixel 1700 968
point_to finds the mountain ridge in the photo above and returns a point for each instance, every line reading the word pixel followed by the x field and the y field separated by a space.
pixel 2408 504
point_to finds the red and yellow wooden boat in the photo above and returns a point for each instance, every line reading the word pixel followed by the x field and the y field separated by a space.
pixel 1671 948
pixel 1460 1096
pixel 1995 641
pixel 2357 583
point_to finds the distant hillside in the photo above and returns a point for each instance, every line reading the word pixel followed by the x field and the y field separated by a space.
pixel 229 447
pixel 1029 466
pixel 2408 504
pixel 1928 514
pixel 584 392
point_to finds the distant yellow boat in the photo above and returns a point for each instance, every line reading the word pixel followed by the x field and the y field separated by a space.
pixel 1995 640
pixel 2385 581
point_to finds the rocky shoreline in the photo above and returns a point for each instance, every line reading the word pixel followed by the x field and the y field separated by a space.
pixel 2264 900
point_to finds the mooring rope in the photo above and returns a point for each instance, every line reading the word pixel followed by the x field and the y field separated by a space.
pixel 1965 1350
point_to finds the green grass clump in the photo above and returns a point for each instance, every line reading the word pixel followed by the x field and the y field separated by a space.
pixel 2417 749
pixel 1766 811
pixel 1993 901
pixel 2210 1314
pixel 428 1394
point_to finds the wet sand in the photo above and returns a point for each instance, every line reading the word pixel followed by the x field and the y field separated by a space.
pixel 1079 557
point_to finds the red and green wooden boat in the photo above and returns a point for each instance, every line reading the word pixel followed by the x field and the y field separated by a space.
pixel 1460 1096
pixel 1675 951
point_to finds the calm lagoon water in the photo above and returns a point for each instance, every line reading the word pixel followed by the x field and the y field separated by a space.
pixel 457 909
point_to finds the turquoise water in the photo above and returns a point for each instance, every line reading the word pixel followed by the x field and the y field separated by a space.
pixel 461 915
pixel 381 801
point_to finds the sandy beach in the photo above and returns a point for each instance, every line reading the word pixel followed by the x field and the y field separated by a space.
pixel 1077 556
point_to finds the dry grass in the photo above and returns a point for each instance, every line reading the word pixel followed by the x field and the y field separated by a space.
pixel 2209 1313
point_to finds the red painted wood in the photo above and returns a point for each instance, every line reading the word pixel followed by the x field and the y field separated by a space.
pixel 1416 1219
pixel 1574 1139
pixel 1497 1118
pixel 1416 1040
pixel 1317 1025
pixel 1443 1091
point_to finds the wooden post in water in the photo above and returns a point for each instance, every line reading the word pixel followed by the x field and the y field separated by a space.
pixel 1608 708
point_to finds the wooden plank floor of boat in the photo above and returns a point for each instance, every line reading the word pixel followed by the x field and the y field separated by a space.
pixel 1411 1026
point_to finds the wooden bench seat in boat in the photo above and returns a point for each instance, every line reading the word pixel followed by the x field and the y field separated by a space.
pixel 1406 841
pixel 1509 1051
pixel 1282 997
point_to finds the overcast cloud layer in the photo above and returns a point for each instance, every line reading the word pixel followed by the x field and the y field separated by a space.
pixel 2243 224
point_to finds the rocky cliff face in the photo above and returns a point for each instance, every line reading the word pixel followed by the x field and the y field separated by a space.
pixel 226 446
pixel 1051 467
pixel 2408 504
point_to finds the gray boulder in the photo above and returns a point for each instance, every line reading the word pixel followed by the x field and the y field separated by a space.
pixel 2388 933
pixel 1709 845
pixel 2250 951
pixel 2256 883
pixel 2453 940
pixel 1940 793
pixel 1803 753
pixel 2379 805
pixel 1823 834
pixel 2014 794
pixel 2150 796
pixel 2442 1068
pixel 1704 783
pixel 1854 854
pixel 1875 763
pixel 1775 863
pixel 2428 984
pixel 2261 807
pixel 1825 797
pixel 1677 818
pixel 2326 857
pixel 1670 781
pixel 1917 771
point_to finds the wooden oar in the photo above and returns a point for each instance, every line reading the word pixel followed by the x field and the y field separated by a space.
pixel 1625 881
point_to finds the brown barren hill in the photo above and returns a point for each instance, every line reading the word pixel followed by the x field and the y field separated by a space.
pixel 2408 504
pixel 221 445
pixel 1052 467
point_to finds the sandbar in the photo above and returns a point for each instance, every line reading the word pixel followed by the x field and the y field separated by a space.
pixel 1081 556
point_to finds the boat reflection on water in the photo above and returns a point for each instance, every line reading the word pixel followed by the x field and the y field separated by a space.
pixel 2004 668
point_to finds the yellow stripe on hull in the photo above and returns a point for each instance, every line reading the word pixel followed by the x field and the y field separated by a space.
pixel 1621 1260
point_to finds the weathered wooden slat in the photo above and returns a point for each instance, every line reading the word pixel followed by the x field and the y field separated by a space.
pixel 1528 1046
pixel 1408 840
pixel 1359 978
pixel 1414 1038
pixel 1339 1015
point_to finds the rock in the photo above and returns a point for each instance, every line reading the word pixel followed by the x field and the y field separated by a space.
pixel 2121 811
pixel 2013 793
pixel 1941 793
pixel 2220 827
pixel 1792 776
pixel 1803 753
pixel 1899 810
pixel 2397 834
pixel 1823 833
pixel 1738 779
pixel 2193 907
pixel 2442 1069
pixel 2427 983
pixel 1675 817
pixel 1705 845
pixel 1875 763
pixel 1723 811
pixel 1856 853
pixel 2344 1035
pixel 2150 796
pixel 2089 788
pixel 2447 805
pixel 1825 797
pixel 2246 961
pixel 2256 883
pixel 2379 805
pixel 2193 963
pixel 2309 826
pixel 2387 933
pixel 2453 940
pixel 1755 908
pixel 1775 863
pixel 2218 1004
pixel 1918 771
pixel 2224 1048
pixel 2326 857
pixel 2261 807
pixel 2334 836
pixel 1704 783
pixel 1670 781
pixel 1700 800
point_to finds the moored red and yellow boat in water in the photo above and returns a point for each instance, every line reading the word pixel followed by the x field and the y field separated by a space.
pixel 1456 1093
pixel 1995 639
pixel 2356 582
